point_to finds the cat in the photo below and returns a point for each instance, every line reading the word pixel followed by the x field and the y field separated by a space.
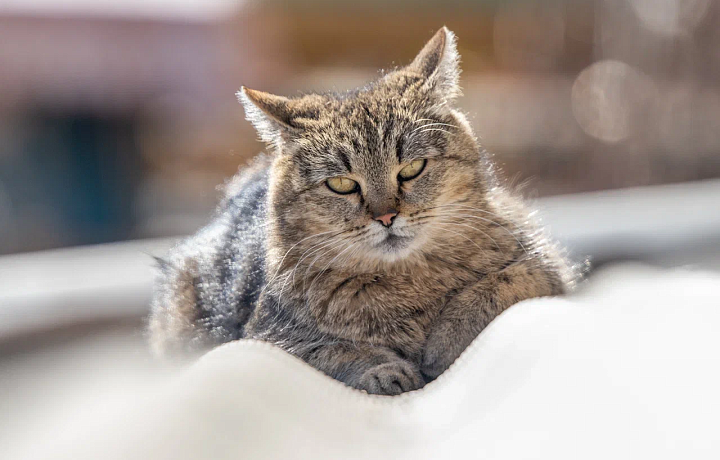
pixel 375 242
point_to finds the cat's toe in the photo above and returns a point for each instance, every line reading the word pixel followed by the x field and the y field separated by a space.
pixel 391 379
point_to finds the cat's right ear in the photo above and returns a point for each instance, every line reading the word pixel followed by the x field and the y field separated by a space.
pixel 438 63
pixel 276 118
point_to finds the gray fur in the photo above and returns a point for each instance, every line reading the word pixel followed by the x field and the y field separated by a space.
pixel 289 261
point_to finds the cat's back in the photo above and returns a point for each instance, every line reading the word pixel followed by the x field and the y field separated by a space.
pixel 210 282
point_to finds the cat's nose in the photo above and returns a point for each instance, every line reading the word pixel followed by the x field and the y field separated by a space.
pixel 387 218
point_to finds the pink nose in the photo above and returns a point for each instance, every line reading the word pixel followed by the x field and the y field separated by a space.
pixel 386 219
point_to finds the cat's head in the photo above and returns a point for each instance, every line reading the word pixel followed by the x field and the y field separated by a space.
pixel 372 174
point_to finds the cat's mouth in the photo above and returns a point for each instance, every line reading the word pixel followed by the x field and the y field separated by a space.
pixel 396 242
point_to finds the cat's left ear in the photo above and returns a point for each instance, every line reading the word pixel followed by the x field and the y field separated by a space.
pixel 278 118
pixel 438 62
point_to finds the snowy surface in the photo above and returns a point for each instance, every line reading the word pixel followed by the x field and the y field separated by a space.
pixel 628 367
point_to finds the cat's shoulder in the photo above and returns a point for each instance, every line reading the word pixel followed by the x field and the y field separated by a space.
pixel 250 182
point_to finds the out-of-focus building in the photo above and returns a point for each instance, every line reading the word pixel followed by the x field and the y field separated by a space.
pixel 118 119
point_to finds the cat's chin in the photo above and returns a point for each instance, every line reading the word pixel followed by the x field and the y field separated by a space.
pixel 393 248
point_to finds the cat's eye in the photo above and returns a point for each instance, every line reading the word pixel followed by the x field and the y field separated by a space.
pixel 412 170
pixel 342 185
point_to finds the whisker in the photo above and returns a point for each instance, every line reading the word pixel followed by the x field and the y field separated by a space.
pixel 314 248
pixel 288 252
pixel 330 263
pixel 432 124
pixel 291 273
pixel 359 239
pixel 498 225
pixel 486 220
pixel 471 227
pixel 322 250
pixel 458 234
pixel 331 241
pixel 322 254
pixel 435 129
pixel 461 205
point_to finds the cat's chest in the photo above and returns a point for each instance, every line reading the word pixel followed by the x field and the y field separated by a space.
pixel 389 310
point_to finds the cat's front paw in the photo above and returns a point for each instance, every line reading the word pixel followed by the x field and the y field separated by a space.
pixel 441 350
pixel 391 378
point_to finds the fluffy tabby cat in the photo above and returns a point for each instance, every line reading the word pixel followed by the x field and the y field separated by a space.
pixel 375 244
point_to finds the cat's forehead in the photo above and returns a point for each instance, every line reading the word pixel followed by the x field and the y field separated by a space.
pixel 367 132
pixel 388 100
pixel 367 118
pixel 363 131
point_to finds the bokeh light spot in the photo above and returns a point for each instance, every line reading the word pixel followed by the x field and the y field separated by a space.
pixel 605 98
pixel 670 17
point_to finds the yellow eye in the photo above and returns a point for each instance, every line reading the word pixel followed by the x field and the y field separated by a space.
pixel 342 185
pixel 412 170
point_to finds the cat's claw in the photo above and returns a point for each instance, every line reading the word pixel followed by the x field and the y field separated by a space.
pixel 391 378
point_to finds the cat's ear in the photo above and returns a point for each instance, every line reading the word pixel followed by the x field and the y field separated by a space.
pixel 438 63
pixel 277 118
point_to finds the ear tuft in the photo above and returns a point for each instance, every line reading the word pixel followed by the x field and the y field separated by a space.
pixel 278 118
pixel 271 115
pixel 438 63
pixel 276 107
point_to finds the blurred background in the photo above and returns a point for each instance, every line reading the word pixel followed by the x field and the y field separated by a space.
pixel 118 121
